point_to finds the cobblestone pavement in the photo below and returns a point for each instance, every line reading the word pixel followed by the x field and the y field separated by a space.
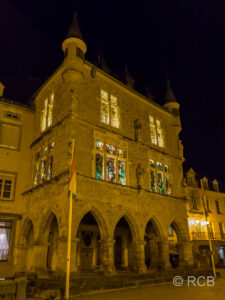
pixel 165 291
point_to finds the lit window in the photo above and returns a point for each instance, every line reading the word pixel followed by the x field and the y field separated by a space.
pixel 156 131
pixel 113 160
pixel 222 229
pixel 6 186
pixel 109 109
pixel 9 136
pixel 43 165
pixel 5 232
pixel 159 178
pixel 47 113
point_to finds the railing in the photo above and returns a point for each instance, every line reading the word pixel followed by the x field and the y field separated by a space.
pixel 207 236
pixel 13 289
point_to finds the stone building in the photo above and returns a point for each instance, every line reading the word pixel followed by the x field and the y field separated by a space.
pixel 205 217
pixel 16 133
pixel 129 211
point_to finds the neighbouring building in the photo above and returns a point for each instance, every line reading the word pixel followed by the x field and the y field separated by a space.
pixel 129 210
pixel 16 134
pixel 205 208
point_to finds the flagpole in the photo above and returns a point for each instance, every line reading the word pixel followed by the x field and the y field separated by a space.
pixel 69 238
pixel 209 238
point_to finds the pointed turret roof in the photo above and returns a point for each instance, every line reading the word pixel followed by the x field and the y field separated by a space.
pixel 170 97
pixel 74 31
pixel 148 92
pixel 128 78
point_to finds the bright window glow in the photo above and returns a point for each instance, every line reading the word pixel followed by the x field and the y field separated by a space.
pixel 156 131
pixel 43 165
pixel 5 232
pixel 109 109
pixel 47 113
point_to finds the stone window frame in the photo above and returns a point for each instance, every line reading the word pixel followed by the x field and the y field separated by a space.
pixel 20 136
pixel 13 177
pixel 164 161
pixel 110 105
pixel 162 129
pixel 110 140
pixel 38 158
pixel 46 108
pixel 218 208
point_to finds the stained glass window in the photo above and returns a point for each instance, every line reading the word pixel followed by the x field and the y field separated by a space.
pixel 121 153
pixel 110 149
pixel 167 183
pixel 110 169
pixel 152 164
pixel 160 182
pixel 47 113
pixel 43 165
pixel 99 146
pixel 153 185
pixel 159 165
pixel 166 168
pixel 113 100
pixel 121 172
pixel 156 131
pixel 99 167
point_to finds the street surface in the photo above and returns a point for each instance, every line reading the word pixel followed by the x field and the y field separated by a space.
pixel 165 291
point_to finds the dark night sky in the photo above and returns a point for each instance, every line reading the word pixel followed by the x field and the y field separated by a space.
pixel 183 37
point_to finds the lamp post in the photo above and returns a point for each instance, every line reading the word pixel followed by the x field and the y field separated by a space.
pixel 209 232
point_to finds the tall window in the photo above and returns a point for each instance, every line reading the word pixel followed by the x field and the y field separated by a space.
pixel 43 165
pixel 9 136
pixel 6 186
pixel 218 207
pixel 109 109
pixel 222 229
pixel 159 178
pixel 47 113
pixel 5 232
pixel 110 163
pixel 156 131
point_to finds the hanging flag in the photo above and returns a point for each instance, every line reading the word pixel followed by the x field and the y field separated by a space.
pixel 72 183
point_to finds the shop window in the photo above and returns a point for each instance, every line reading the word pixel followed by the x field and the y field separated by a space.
pixel 5 233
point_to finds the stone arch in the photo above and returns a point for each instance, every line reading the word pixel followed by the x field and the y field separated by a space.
pixel 91 232
pixel 45 223
pixel 25 246
pixel 132 224
pixel 158 227
pixel 99 219
pixel 24 231
pixel 182 234
pixel 48 237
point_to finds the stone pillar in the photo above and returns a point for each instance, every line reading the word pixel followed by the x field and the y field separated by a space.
pixel 62 255
pixel 154 256
pixel 164 261
pixel 40 258
pixel 185 254
pixel 74 255
pixel 107 256
pixel 139 256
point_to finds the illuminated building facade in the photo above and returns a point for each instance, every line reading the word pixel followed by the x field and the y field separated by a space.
pixel 129 211
pixel 205 217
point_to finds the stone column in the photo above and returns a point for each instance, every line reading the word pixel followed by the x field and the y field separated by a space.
pixel 62 255
pixel 185 254
pixel 74 254
pixel 139 256
pixel 40 257
pixel 107 256
pixel 164 261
